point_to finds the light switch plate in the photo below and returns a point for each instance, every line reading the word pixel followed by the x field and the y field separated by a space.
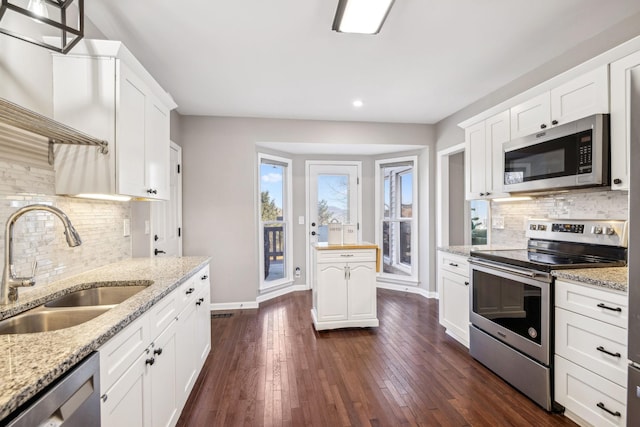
pixel 497 222
pixel 301 220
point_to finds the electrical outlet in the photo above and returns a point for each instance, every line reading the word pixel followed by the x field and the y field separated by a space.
pixel 497 222
pixel 298 272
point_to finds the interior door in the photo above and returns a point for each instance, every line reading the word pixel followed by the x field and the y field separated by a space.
pixel 166 216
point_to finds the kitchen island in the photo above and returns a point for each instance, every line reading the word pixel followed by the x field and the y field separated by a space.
pixel 344 285
pixel 30 362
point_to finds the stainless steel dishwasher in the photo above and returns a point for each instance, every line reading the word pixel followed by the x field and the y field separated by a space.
pixel 73 400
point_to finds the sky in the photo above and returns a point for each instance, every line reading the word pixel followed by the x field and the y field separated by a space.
pixel 271 181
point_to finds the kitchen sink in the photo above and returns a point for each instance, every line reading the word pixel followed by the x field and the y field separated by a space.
pixel 105 295
pixel 42 319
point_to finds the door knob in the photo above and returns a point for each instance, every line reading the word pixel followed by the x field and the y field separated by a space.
pixel 313 224
pixel 313 233
pixel 156 252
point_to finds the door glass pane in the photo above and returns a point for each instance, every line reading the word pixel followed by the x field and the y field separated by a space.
pixel 405 243
pixel 272 193
pixel 333 202
pixel 387 197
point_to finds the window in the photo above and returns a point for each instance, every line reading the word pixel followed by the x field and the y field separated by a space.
pixel 274 206
pixel 397 217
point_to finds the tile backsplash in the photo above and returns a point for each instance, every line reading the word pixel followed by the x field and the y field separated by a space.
pixel 575 205
pixel 39 235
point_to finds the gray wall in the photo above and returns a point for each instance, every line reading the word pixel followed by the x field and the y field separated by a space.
pixel 447 131
pixel 457 204
pixel 220 179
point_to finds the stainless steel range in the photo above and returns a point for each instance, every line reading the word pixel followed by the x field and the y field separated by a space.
pixel 511 307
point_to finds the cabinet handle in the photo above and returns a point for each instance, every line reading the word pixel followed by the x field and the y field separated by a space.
pixel 618 309
pixel 466 283
pixel 198 302
pixel 150 361
pixel 152 191
pixel 189 291
pixel 201 300
pixel 453 264
pixel 104 397
pixel 157 351
pixel 205 277
pixel 617 181
pixel 543 126
pixel 602 349
pixel 554 122
pixel 346 255
pixel 481 194
pixel 348 273
pixel 604 408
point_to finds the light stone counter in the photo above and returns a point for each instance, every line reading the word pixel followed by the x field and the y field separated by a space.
pixel 465 250
pixel 615 278
pixel 29 362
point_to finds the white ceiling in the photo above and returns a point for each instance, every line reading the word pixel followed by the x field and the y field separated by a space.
pixel 280 59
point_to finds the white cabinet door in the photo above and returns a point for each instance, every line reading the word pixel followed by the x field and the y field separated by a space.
pixel 186 369
pixel 164 390
pixel 203 326
pixel 625 93
pixel 498 132
pixel 127 402
pixel 157 150
pixel 454 305
pixel 332 292
pixel 581 97
pixel 475 161
pixel 361 293
pixel 531 116
pixel 130 128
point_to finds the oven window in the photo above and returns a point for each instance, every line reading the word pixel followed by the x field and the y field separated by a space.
pixel 511 304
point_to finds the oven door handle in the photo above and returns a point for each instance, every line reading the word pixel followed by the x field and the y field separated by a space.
pixel 509 269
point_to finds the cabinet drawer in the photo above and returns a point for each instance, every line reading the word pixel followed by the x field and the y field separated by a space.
pixel 600 304
pixel 583 393
pixel 186 293
pixel 597 346
pixel 117 354
pixel 162 314
pixel 454 263
pixel 359 255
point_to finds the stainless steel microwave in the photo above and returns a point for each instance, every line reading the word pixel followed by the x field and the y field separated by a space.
pixel 572 155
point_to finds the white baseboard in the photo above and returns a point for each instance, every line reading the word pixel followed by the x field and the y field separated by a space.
pixel 233 305
pixel 282 291
pixel 407 288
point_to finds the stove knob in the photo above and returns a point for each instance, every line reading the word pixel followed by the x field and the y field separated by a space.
pixel 609 231
pixel 596 229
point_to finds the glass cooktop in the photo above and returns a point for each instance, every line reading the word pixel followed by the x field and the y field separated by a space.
pixel 544 261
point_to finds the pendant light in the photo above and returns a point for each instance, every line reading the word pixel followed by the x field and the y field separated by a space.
pixel 66 17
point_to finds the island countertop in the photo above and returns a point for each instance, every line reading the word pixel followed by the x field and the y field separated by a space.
pixel 30 362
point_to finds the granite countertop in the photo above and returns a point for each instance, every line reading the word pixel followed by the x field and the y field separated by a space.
pixel 615 278
pixel 465 250
pixel 29 362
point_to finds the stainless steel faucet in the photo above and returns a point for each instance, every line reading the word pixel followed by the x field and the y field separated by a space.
pixel 10 283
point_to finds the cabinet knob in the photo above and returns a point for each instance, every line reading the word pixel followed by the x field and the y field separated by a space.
pixel 150 361
pixel 617 181
pixel 466 283
pixel 104 397
pixel 157 351
pixel 481 194
pixel 487 193
pixel 198 302
pixel 554 122
pixel 201 300
pixel 205 277
pixel 189 291
pixel 152 191
pixel 543 126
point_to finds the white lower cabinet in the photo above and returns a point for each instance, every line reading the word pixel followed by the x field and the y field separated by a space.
pixel 590 376
pixel 344 289
pixel 453 294
pixel 149 368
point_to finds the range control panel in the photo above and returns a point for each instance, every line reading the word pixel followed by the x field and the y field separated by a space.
pixel 604 232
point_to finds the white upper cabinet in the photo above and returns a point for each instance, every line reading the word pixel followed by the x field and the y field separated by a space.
pixel 101 89
pixel 625 92
pixel 483 157
pixel 581 97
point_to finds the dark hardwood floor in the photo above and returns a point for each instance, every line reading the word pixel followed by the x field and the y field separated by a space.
pixel 270 367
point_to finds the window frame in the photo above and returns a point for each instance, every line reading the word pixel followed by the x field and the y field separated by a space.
pixel 413 274
pixel 287 206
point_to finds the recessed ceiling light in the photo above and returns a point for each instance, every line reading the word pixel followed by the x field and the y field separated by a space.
pixel 358 103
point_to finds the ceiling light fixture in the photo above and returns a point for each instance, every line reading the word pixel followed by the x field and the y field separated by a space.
pixel 361 16
pixel 65 16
